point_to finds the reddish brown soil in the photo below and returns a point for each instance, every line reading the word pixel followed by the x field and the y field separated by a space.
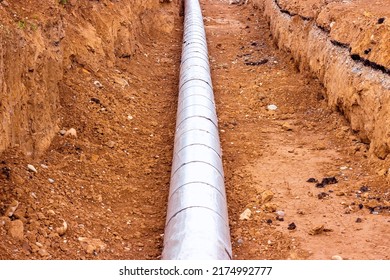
pixel 111 182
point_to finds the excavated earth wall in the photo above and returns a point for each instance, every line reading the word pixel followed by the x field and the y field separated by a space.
pixel 345 44
pixel 40 41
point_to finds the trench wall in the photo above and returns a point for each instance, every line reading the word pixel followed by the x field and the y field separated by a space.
pixel 345 45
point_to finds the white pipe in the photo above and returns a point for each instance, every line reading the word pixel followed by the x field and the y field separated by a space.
pixel 197 225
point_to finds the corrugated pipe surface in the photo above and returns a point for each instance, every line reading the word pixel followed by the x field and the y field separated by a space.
pixel 197 225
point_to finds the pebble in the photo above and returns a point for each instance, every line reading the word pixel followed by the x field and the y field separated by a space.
pixel 31 168
pixel 43 253
pixel 280 214
pixel 98 84
pixel 272 107
pixel 51 181
pixel 267 196
pixel 287 127
pixel 291 226
pixel 44 166
pixel 246 214
pixel 71 133
pixel 130 117
pixel 317 230
pixel 4 221
pixel 62 132
pixel 11 208
pixel 111 144
pixel 92 245
pixel 62 229
pixel 337 258
pixel 269 207
pixel 16 229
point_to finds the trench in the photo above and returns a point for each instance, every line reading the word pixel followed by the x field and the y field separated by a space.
pixel 112 181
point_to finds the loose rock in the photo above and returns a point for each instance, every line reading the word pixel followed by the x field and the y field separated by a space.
pixel 71 133
pixel 267 196
pixel 246 214
pixel 312 180
pixel 62 229
pixel 269 207
pixel 287 127
pixel 16 229
pixel 291 226
pixel 11 209
pixel 322 195
pixel 92 245
pixel 31 168
pixel 272 107
pixel 317 230
pixel 98 84
pixel 337 258
pixel 43 253
pixel 111 144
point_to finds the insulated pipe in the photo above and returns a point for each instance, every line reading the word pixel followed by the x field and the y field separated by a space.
pixel 197 225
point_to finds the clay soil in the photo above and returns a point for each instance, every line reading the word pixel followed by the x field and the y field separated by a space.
pixel 110 183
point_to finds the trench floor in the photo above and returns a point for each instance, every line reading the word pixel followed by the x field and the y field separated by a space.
pixel 111 181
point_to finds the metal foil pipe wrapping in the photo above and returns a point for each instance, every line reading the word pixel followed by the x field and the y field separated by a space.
pixel 197 225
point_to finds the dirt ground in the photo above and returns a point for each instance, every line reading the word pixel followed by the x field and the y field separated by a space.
pixel 110 183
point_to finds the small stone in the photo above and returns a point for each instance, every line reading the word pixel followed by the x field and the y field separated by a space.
pixel 300 212
pixel 291 226
pixel 92 245
pixel 269 207
pixel 94 158
pixel 51 212
pixel 16 229
pixel 317 230
pixel 272 107
pixel 11 208
pixel 337 258
pixel 343 167
pixel 280 214
pixel 62 229
pixel 323 195
pixel 359 220
pixel 287 127
pixel 43 253
pixel 246 214
pixel 4 221
pixel 98 84
pixel 267 196
pixel 71 133
pixel 364 189
pixel 31 168
pixel 111 144
pixel 62 132
pixel 44 166
pixel 51 181
pixel 312 180
pixel 130 117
